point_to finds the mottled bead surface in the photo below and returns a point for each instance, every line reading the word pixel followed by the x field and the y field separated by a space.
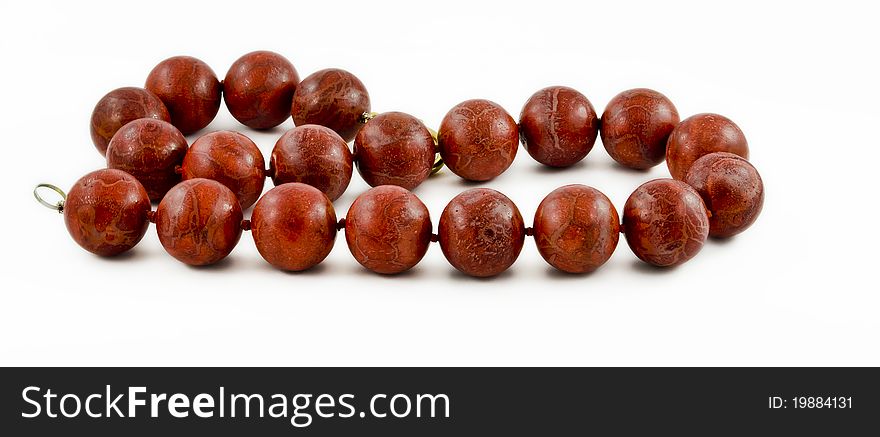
pixel 333 98
pixel 481 232
pixel 150 150
pixel 231 159
pixel 732 190
pixel 106 212
pixel 388 229
pixel 635 126
pixel 294 226
pixel 558 126
pixel 199 222
pixel 394 149
pixel 120 106
pixel 478 140
pixel 576 228
pixel 313 155
pixel 700 135
pixel 189 89
pixel 665 222
pixel 258 89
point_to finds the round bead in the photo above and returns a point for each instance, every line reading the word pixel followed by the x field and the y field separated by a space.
pixel 199 222
pixel 106 212
pixel 558 126
pixel 635 127
pixel 388 229
pixel 732 190
pixel 294 226
pixel 576 228
pixel 258 89
pixel 333 98
pixel 120 106
pixel 231 159
pixel 313 155
pixel 478 140
pixel 665 222
pixel 394 149
pixel 150 150
pixel 481 232
pixel 189 89
pixel 700 135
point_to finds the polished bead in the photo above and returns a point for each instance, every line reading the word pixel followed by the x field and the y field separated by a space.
pixel 481 232
pixel 635 126
pixel 388 229
pixel 199 222
pixel 313 155
pixel 189 89
pixel 258 89
pixel 478 140
pixel 700 135
pixel 576 228
pixel 231 159
pixel 333 98
pixel 665 222
pixel 120 106
pixel 106 212
pixel 732 190
pixel 294 226
pixel 150 150
pixel 394 149
pixel 558 126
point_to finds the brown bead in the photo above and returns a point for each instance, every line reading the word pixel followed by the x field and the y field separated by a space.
pixel 481 232
pixel 150 150
pixel 294 226
pixel 120 106
pixel 258 89
pixel 394 149
pixel 665 222
pixel 388 229
pixel 106 212
pixel 333 98
pixel 700 135
pixel 576 228
pixel 231 159
pixel 635 126
pixel 189 89
pixel 558 126
pixel 313 155
pixel 478 140
pixel 199 222
pixel 732 190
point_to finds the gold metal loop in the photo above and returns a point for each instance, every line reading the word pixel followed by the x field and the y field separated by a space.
pixel 59 205
pixel 367 116
pixel 438 160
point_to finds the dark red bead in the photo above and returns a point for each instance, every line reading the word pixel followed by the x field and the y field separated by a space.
pixel 120 106
pixel 665 222
pixel 394 149
pixel 150 150
pixel 478 140
pixel 333 98
pixel 388 229
pixel 576 228
pixel 635 127
pixel 481 232
pixel 258 89
pixel 294 226
pixel 700 135
pixel 189 89
pixel 231 159
pixel 106 212
pixel 313 155
pixel 558 126
pixel 732 190
pixel 199 222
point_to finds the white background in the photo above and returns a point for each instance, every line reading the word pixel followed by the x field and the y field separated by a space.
pixel 798 288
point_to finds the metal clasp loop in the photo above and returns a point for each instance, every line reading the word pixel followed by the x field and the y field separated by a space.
pixel 57 206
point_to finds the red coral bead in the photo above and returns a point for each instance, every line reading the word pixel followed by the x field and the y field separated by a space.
pixel 120 106
pixel 231 159
pixel 150 150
